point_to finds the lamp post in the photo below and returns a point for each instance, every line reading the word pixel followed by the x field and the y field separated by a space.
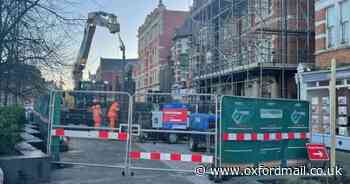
pixel 332 93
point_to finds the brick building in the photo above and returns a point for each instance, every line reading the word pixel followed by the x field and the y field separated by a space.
pixel 20 83
pixel 155 38
pixel 332 21
pixel 249 47
pixel 180 51
pixel 111 72
pixel 332 31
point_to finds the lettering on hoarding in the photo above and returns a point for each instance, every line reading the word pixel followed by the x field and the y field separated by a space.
pixel 271 113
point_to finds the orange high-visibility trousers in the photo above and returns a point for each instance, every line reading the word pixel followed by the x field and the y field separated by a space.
pixel 97 121
pixel 96 115
pixel 113 115
pixel 113 121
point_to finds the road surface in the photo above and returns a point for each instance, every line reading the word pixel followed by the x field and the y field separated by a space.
pixel 113 153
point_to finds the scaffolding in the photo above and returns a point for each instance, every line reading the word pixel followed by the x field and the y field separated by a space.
pixel 239 46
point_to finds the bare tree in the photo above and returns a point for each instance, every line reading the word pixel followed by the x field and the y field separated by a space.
pixel 34 36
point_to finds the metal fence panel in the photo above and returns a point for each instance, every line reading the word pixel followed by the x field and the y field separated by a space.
pixel 84 128
pixel 166 132
pixel 174 133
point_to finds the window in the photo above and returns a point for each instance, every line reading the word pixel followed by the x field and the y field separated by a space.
pixel 179 45
pixel 344 21
pixel 246 23
pixel 331 24
pixel 311 84
pixel 265 7
pixel 264 51
pixel 155 52
pixel 323 83
pixel 155 76
pixel 244 56
pixel 340 82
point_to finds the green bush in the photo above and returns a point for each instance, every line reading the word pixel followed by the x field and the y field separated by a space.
pixel 12 120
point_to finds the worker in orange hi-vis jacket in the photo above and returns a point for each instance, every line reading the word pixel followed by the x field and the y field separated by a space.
pixel 113 114
pixel 96 113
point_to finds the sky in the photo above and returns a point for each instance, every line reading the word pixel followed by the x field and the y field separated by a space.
pixel 131 14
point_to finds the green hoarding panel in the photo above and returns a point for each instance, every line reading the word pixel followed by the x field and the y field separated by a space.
pixel 267 151
pixel 263 116
pixel 241 152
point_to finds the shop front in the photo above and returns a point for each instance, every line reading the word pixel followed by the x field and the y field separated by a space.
pixel 314 87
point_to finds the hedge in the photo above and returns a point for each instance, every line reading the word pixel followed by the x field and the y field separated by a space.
pixel 12 120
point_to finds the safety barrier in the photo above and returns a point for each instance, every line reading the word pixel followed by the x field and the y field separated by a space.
pixel 276 136
pixel 194 157
pixel 173 128
pixel 101 134
pixel 155 131
pixel 92 117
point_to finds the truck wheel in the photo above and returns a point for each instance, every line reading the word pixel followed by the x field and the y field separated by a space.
pixel 172 138
pixel 192 144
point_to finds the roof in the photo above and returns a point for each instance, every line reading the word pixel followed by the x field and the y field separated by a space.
pixel 185 29
pixel 155 13
pixel 112 64
pixel 322 75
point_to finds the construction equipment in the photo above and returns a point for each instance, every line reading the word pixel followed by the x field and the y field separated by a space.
pixel 102 19
pixel 122 47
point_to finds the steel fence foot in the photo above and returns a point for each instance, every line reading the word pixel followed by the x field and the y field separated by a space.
pixel 218 178
pixel 211 177
pixel 123 173
pixel 132 174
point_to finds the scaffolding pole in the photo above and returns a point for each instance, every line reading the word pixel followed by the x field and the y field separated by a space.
pixel 241 32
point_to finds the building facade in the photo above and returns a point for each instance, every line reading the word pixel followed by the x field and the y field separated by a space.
pixel 154 46
pixel 180 51
pixel 15 88
pixel 112 73
pixel 250 47
pixel 314 87
pixel 332 21
pixel 332 42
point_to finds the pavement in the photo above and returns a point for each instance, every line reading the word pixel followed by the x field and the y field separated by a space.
pixel 113 153
pixel 343 160
pixel 182 148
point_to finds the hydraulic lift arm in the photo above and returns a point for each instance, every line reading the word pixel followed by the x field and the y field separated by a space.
pixel 122 46
pixel 94 19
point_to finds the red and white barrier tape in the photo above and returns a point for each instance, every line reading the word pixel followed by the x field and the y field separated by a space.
pixel 265 136
pixel 197 158
pixel 101 134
